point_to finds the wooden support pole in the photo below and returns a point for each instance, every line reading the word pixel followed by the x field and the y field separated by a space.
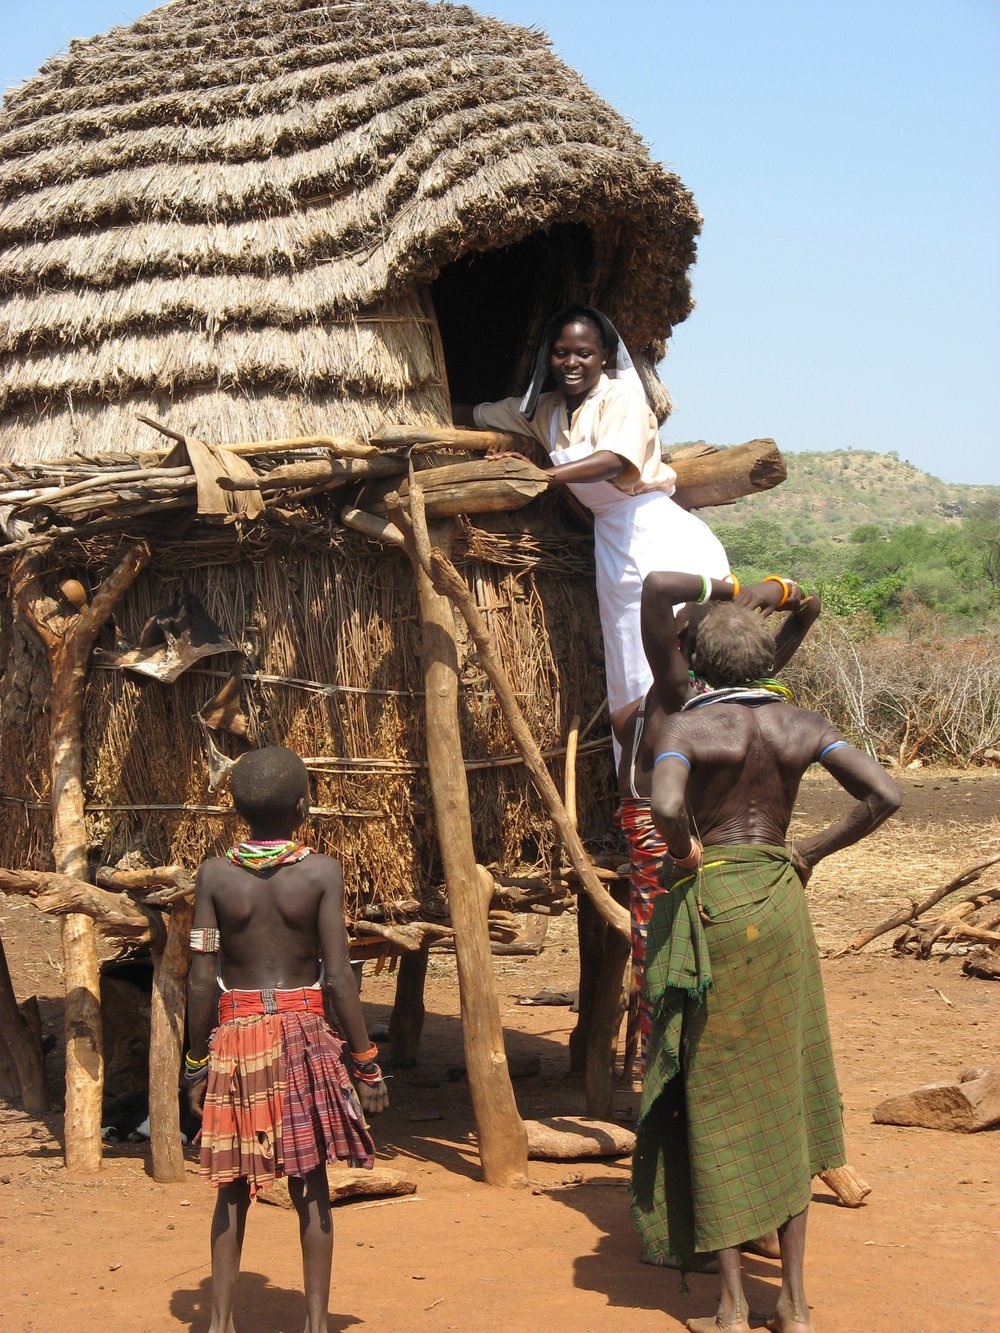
pixel 610 1003
pixel 10 1084
pixel 166 1039
pixel 590 933
pixel 24 1049
pixel 503 1140
pixel 68 641
pixel 407 1020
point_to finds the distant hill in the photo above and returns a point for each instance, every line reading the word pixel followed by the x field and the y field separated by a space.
pixel 828 495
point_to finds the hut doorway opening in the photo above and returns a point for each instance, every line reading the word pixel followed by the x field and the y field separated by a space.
pixel 490 308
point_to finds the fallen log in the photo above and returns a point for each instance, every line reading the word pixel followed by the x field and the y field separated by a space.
pixel 346 1183
pixel 409 937
pixel 848 1186
pixel 478 487
pixel 569 1138
pixel 952 925
pixel 421 439
pixel 972 1103
pixel 113 914
pixel 718 478
pixel 706 475
pixel 984 964
pixel 147 878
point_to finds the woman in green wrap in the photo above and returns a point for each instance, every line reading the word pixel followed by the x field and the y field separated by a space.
pixel 740 1105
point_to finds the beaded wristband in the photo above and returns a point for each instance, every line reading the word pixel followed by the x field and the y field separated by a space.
pixel 369 1072
pixel 786 588
pixel 690 861
pixel 195 1070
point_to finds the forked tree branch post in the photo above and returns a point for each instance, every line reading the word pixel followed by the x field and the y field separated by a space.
pixel 166 1039
pixel 68 640
pixel 503 1139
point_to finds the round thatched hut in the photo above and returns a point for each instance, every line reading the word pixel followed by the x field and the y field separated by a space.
pixel 257 220
pixel 301 223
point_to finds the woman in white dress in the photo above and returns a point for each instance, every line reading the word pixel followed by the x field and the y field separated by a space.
pixel 603 443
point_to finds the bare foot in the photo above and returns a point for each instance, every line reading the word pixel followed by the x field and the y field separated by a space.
pixel 787 1323
pixel 713 1324
pixel 765 1245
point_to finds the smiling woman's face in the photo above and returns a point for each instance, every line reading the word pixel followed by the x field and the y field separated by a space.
pixel 576 360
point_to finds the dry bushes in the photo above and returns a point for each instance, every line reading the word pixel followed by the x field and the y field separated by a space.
pixel 911 696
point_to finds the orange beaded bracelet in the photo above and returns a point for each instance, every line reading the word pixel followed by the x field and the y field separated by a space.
pixel 786 588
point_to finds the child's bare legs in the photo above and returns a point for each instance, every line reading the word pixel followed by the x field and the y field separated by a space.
pixel 311 1196
pixel 792 1312
pixel 228 1225
pixel 733 1311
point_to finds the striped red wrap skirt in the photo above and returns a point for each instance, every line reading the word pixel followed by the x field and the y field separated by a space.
pixel 648 860
pixel 279 1101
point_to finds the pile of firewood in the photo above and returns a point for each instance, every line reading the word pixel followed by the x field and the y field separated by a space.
pixel 972 917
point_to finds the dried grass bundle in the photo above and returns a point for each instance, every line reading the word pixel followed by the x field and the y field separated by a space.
pixel 332 668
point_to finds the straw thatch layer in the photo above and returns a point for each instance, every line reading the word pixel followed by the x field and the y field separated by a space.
pixel 206 200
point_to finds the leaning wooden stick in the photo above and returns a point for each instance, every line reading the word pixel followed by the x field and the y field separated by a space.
pixel 908 914
pixel 447 579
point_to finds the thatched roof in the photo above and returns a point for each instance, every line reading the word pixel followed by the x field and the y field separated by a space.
pixel 229 214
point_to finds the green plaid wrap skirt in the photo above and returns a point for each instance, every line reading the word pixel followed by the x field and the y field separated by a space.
pixel 740 1105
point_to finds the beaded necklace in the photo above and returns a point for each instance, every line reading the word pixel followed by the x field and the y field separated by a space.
pixel 267 853
pixel 768 691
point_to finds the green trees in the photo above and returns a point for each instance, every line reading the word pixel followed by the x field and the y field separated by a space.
pixel 952 569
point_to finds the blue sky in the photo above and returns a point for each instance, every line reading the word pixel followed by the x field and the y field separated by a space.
pixel 846 158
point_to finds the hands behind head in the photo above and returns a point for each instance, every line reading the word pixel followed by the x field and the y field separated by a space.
pixel 770 596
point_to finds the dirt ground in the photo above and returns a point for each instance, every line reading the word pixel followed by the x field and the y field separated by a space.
pixel 119 1251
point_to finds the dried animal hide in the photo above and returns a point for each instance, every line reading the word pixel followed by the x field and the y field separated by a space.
pixel 171 641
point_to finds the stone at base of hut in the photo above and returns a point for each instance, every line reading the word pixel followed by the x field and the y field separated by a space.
pixel 566 1138
pixel 348 1182
pixel 970 1104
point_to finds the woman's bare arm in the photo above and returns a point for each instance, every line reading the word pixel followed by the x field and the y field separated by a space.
pixel 877 797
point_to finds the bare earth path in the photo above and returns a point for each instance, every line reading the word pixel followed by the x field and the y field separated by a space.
pixel 119 1251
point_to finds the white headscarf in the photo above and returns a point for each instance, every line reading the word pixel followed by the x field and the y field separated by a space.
pixel 619 364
